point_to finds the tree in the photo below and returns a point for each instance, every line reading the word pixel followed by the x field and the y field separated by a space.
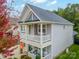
pixel 71 13
pixel 7 39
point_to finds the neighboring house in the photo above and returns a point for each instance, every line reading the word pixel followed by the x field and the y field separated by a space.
pixel 44 33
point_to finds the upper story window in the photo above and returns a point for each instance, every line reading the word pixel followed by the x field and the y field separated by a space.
pixel 22 28
pixel 32 17
pixel 44 29
pixel 64 26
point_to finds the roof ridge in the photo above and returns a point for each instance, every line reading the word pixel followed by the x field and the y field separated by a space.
pixel 46 15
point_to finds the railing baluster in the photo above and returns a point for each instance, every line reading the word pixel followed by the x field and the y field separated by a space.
pixel 36 38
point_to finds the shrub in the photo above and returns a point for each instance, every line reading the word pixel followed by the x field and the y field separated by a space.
pixel 73 53
pixel 76 36
pixel 25 57
pixel 15 58
pixel 64 56
pixel 38 57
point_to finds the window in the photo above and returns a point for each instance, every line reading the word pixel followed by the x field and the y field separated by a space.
pixel 64 26
pixel 38 29
pixel 34 17
pixel 22 27
pixel 44 29
pixel 30 17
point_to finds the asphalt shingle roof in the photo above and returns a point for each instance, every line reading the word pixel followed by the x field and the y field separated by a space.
pixel 46 15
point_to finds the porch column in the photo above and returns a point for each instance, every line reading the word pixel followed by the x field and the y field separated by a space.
pixel 33 29
pixel 41 41
pixel 41 34
pixel 41 53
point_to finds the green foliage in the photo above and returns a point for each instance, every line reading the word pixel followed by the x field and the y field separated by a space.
pixel 73 53
pixel 25 57
pixel 71 13
pixel 76 36
pixel 38 57
pixel 74 48
pixel 15 58
pixel 30 48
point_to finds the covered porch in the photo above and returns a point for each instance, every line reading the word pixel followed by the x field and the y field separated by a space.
pixel 36 53
pixel 38 37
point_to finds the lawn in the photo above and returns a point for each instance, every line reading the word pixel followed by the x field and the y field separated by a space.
pixel 73 53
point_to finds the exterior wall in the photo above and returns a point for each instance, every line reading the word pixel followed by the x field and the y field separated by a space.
pixel 62 37
pixel 48 28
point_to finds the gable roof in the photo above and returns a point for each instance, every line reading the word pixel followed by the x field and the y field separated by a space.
pixel 45 15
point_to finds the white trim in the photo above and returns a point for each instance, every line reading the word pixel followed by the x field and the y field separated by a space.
pixel 38 28
pixel 22 12
pixel 23 29
pixel 46 21
pixel 29 14
pixel 46 28
pixel 32 16
pixel 34 12
pixel 41 33
pixel 41 53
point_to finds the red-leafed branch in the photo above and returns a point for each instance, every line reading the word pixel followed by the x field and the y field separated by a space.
pixel 7 39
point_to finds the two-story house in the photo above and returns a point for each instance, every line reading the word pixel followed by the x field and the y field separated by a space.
pixel 44 33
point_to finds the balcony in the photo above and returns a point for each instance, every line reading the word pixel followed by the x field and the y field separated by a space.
pixel 36 34
pixel 37 38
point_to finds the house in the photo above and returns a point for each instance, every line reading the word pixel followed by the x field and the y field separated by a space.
pixel 44 33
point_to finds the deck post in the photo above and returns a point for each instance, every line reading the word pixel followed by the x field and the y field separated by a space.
pixel 41 40
pixel 41 34
pixel 41 53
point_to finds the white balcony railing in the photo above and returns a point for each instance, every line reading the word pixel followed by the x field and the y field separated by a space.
pixel 36 38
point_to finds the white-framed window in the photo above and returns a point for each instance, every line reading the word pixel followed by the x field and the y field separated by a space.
pixel 64 26
pixel 32 17
pixel 23 28
pixel 38 29
pixel 44 29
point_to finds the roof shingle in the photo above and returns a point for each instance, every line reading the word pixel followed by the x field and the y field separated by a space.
pixel 46 15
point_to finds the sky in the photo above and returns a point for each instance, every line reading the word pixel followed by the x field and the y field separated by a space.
pixel 45 4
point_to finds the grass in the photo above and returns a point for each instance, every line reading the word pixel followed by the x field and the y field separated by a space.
pixel 73 53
